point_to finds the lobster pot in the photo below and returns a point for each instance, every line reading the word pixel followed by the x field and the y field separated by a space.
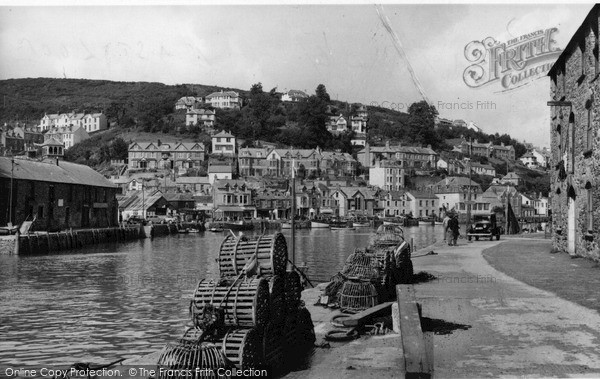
pixel 362 266
pixel 305 329
pixel 270 251
pixel 277 299
pixel 243 347
pixel 245 301
pixel 358 296
pixel 293 291
pixel 177 358
pixel 273 345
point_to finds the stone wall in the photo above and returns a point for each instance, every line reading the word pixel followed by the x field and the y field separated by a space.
pixel 573 165
pixel 59 205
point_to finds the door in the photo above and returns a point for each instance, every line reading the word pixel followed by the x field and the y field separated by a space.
pixel 571 226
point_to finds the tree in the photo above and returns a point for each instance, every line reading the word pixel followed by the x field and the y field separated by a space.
pixel 118 149
pixel 322 94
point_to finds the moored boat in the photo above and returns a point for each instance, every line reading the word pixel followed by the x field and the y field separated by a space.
pixel 320 223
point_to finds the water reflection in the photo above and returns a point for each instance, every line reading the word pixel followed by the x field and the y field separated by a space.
pixel 124 300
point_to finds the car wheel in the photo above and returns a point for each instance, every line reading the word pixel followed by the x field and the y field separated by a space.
pixel 476 238
pixel 497 237
pixel 491 237
pixel 469 238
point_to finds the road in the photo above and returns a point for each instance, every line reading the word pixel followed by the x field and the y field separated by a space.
pixel 499 326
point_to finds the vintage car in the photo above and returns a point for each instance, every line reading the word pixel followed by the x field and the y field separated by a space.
pixel 484 226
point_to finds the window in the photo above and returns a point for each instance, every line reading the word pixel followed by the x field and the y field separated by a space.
pixel 40 212
pixel 590 129
pixel 572 142
pixel 582 51
pixel 590 207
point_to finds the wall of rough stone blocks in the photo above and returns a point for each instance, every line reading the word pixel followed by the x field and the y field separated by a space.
pixel 28 195
pixel 581 88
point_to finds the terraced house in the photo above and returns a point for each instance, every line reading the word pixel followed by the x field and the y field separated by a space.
pixel 575 153
pixel 91 122
pixel 281 162
pixel 253 161
pixel 158 155
pixel 408 157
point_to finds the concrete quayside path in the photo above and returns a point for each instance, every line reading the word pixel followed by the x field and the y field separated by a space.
pixel 488 324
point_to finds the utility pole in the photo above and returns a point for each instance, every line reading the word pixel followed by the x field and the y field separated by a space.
pixel 469 188
pixel 507 202
pixel 143 201
pixel 10 201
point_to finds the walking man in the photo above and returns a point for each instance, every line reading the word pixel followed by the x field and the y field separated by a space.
pixel 454 229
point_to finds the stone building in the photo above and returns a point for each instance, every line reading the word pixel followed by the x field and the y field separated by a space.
pixel 58 194
pixel 575 118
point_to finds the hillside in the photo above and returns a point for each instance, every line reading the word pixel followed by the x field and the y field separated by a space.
pixel 145 110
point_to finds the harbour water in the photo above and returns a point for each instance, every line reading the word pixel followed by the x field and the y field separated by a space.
pixel 119 301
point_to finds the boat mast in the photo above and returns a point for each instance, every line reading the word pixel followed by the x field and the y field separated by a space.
pixel 292 222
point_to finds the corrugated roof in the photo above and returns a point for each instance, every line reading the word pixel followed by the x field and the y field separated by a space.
pixel 49 171
pixel 193 180
pixel 139 202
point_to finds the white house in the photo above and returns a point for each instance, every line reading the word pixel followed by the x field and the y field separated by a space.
pixel 204 117
pixel 387 175
pixel 541 206
pixel 68 135
pixel 91 122
pixel 422 204
pixel 219 170
pixel 294 96
pixel 358 124
pixel 534 159
pixel 225 100
pixel 337 124
pixel 473 126
pixel 94 122
pixel 453 194
pixel 223 143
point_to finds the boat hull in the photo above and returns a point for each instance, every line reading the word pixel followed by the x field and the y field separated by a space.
pixel 318 225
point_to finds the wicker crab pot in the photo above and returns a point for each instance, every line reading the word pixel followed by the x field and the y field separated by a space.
pixel 245 301
pixel 270 251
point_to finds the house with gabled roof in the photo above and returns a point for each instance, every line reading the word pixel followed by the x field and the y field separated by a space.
pixel 294 96
pixel 201 117
pixel 188 102
pixel 252 161
pixel 337 124
pixel 232 200
pixel 166 156
pixel 453 194
pixel 224 143
pixel 224 100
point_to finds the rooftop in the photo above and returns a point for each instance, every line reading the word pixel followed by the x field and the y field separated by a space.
pixel 50 171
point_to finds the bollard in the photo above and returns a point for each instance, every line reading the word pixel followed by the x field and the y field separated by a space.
pixel 412 244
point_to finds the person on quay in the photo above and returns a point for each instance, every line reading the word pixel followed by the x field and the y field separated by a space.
pixel 454 229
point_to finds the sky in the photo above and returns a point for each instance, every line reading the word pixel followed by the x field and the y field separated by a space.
pixel 295 46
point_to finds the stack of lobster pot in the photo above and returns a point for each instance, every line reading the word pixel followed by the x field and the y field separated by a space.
pixel 253 313
pixel 368 278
